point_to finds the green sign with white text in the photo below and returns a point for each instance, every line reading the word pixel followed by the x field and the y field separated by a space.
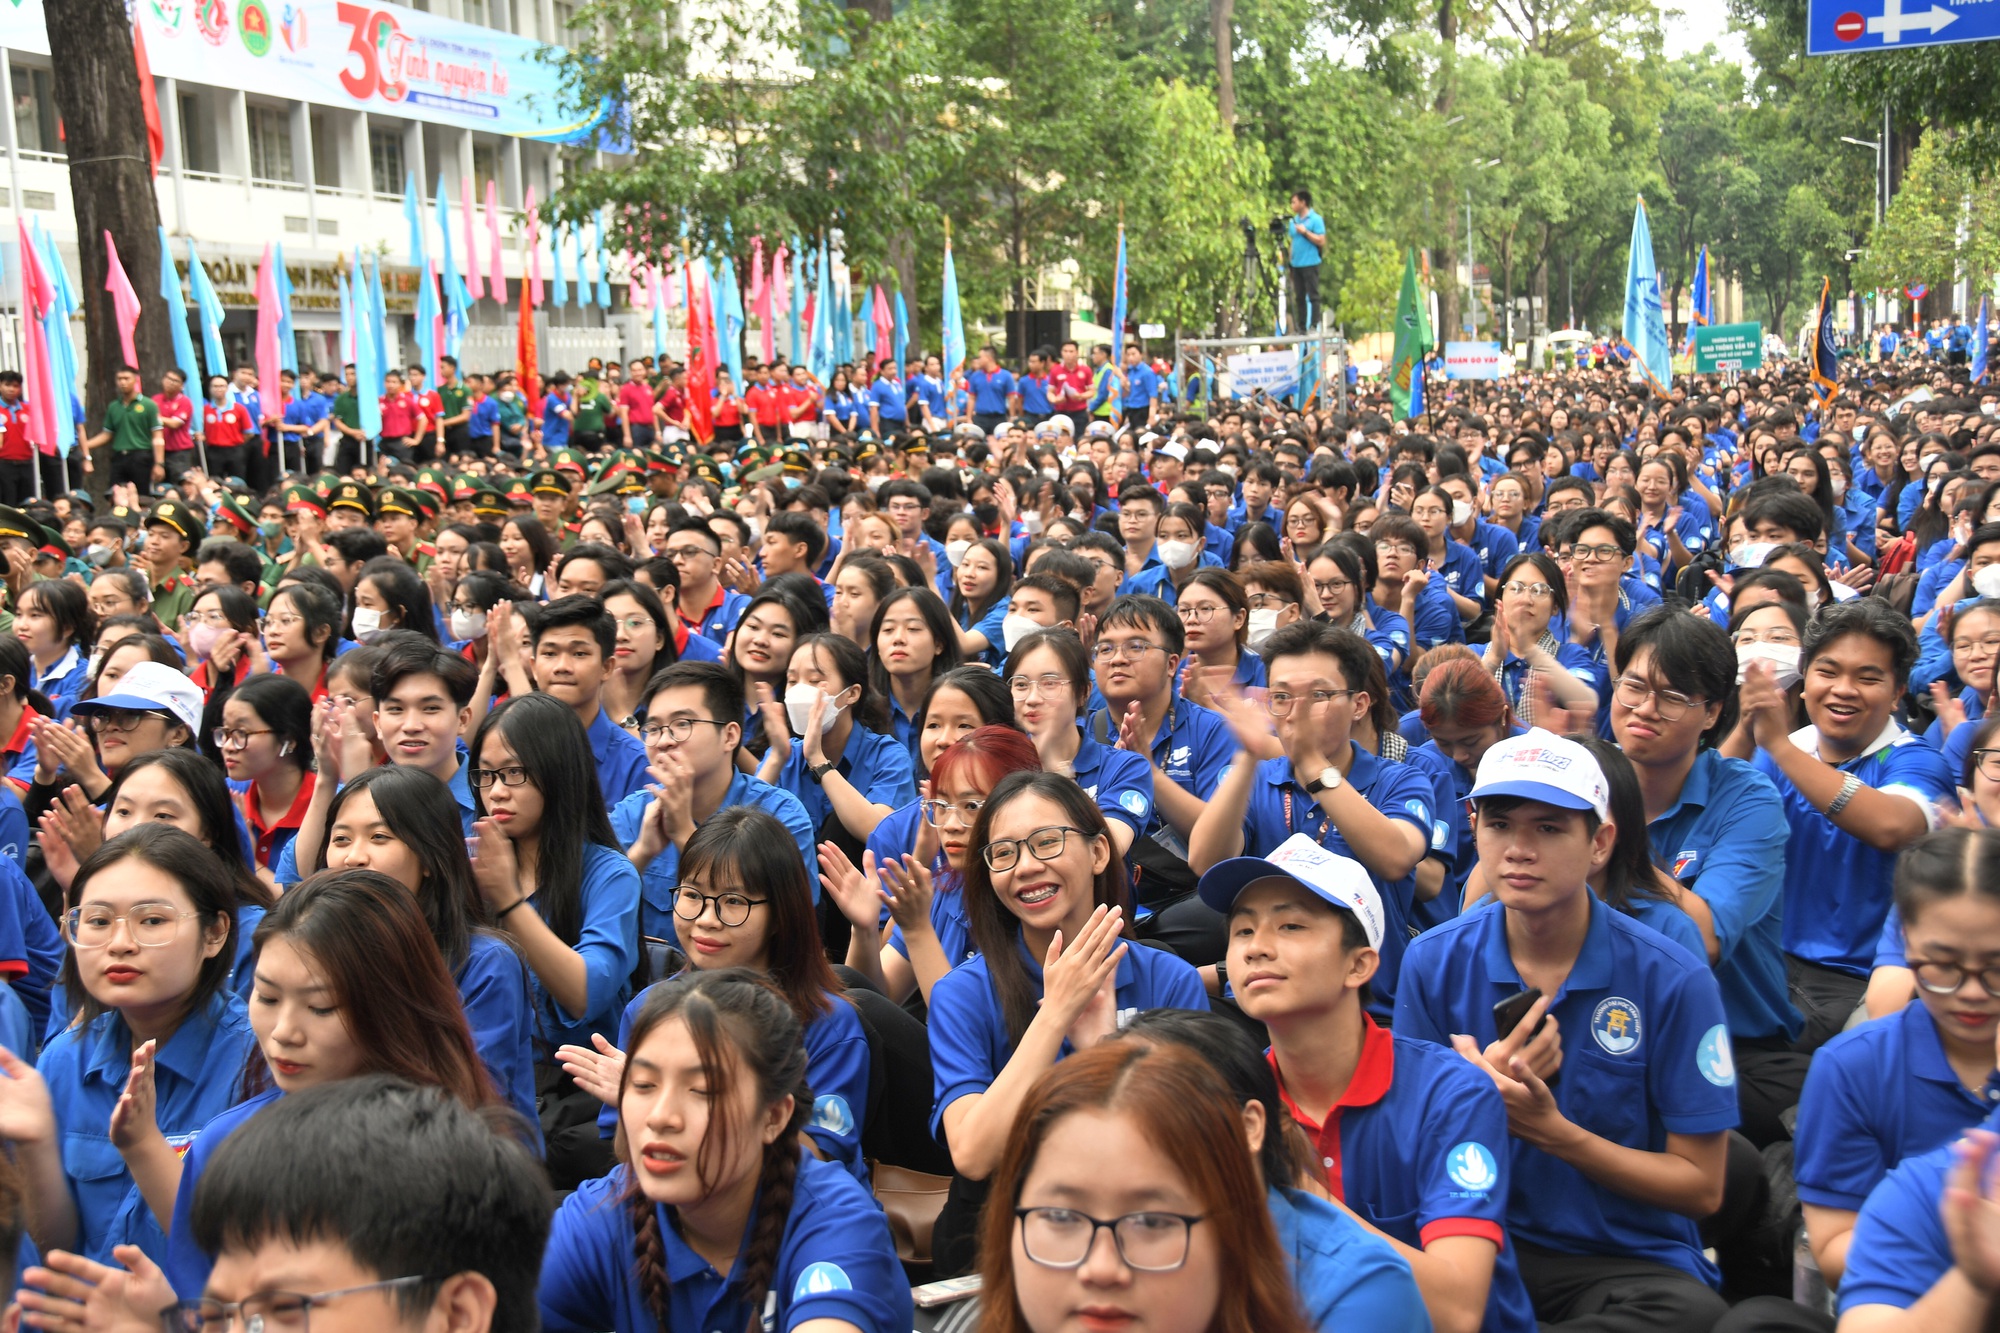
pixel 1728 347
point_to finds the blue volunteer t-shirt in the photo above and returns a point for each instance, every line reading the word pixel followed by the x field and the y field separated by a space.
pixel 874 764
pixel 1900 1249
pixel 1345 1277
pixel 608 943
pixel 660 884
pixel 1304 253
pixel 1645 1053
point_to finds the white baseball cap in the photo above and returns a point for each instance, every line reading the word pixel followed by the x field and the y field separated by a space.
pixel 151 687
pixel 1340 880
pixel 1539 765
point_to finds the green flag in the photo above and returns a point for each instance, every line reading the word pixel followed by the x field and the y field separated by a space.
pixel 1413 339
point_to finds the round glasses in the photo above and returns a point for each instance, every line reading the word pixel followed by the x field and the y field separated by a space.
pixel 731 909
pixel 1948 978
pixel 1132 650
pixel 120 719
pixel 1047 686
pixel 266 1312
pixel 1044 844
pixel 1671 705
pixel 236 738
pixel 1147 1242
pixel 1279 704
pixel 939 811
pixel 677 729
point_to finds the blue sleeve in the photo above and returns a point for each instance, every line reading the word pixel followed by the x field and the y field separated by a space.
pixel 837 1070
pixel 495 993
pixel 286 868
pixel 17 1033
pixel 1437 617
pixel 1889 949
pixel 1176 985
pixel 1742 873
pixel 1125 789
pixel 13 826
pixel 1933 658
pixel 1681 1073
pixel 962 1010
pixel 1414 1017
pixel 799 824
pixel 1838 1155
pixel 1468 1123
pixel 989 626
pixel 1917 771
pixel 1899 1250
pixel 839 1261
pixel 1380 1294
pixel 584 1266
pixel 1213 753
pixel 892 781
pixel 608 943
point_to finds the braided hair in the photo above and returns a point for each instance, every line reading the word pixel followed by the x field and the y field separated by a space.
pixel 730 1013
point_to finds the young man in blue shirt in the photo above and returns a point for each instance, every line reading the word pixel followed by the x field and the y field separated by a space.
pixel 573 640
pixel 1857 789
pixel 1307 231
pixel 1613 1166
pixel 992 388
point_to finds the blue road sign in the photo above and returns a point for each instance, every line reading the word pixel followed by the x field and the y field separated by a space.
pixel 1840 27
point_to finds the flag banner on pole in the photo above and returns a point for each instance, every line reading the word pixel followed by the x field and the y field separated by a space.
pixel 177 320
pixel 208 311
pixel 902 332
pixel 426 323
pixel 734 321
pixel 124 301
pixel 37 365
pixel 533 239
pixel 270 361
pixel 1413 339
pixel 413 202
pixel 1979 343
pixel 367 353
pixel 576 256
pixel 603 258
pixel 1701 313
pixel 798 305
pixel 346 319
pixel 466 221
pixel 954 319
pixel 1645 328
pixel 560 293
pixel 701 356
pixel 496 276
pixel 288 345
pixel 659 286
pixel 527 357
pixel 1118 304
pixel 1823 365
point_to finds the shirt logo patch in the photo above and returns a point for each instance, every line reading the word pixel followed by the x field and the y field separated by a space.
pixel 1418 810
pixel 1714 1059
pixel 831 1114
pixel 1471 1167
pixel 1440 833
pixel 820 1278
pixel 1133 802
pixel 1181 754
pixel 1685 863
pixel 1615 1024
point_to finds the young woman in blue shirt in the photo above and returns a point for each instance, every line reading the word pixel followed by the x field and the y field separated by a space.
pixel 911 642
pixel 846 769
pixel 1533 594
pixel 714 1216
pixel 1048 675
pixel 156 1049
pixel 980 581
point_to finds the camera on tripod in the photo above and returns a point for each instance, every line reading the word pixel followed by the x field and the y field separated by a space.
pixel 1281 227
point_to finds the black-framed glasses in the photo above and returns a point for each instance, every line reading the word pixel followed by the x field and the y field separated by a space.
pixel 265 1312
pixel 1131 650
pixel 236 738
pixel 1279 704
pixel 1941 978
pixel 120 720
pixel 481 778
pixel 731 909
pixel 1332 589
pixel 1592 554
pixel 1671 705
pixel 1149 1242
pixel 1988 764
pixel 676 729
pixel 1044 844
pixel 1198 613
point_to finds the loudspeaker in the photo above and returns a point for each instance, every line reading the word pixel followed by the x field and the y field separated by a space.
pixel 1029 330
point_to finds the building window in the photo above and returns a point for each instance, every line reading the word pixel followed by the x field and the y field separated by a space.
pixel 485 167
pixel 197 136
pixel 326 153
pixel 385 161
pixel 270 144
pixel 564 15
pixel 474 11
pixel 36 126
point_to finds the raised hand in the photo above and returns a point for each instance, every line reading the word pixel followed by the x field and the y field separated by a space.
pixel 1072 976
pixel 72 1294
pixel 857 893
pixel 494 867
pixel 27 1115
pixel 598 1069
pixel 135 1117
pixel 908 891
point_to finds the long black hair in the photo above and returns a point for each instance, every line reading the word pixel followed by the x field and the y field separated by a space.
pixel 406 593
pixel 423 815
pixel 753 847
pixel 1628 875
pixel 943 631
pixel 221 830
pixel 553 747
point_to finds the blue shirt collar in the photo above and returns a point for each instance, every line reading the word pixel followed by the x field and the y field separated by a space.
pixel 184 1053
pixel 1591 971
pixel 1696 787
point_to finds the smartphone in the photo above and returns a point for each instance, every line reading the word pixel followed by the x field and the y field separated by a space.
pixel 933 1294
pixel 1508 1013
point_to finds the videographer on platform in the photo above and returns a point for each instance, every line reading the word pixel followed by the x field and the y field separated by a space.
pixel 1308 231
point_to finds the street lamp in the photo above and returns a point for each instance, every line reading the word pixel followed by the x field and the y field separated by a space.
pixel 1471 285
pixel 1881 170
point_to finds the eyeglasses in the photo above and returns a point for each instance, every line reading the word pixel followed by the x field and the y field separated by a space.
pixel 1947 978
pixel 678 553
pixel 1063 1237
pixel 1268 601
pixel 266 1312
pixel 120 719
pixel 1048 685
pixel 1131 650
pixel 1044 844
pixel 633 624
pixel 1520 589
pixel 731 909
pixel 1331 588
pixel 1987 645
pixel 207 618
pixel 1767 636
pixel 677 729
pixel 1396 548
pixel 1302 521
pixel 1592 554
pixel 283 622
pixel 938 811
pixel 1197 614
pixel 149 924
pixel 235 738
pixel 1988 762
pixel 1671 705
pixel 482 778
pixel 1279 704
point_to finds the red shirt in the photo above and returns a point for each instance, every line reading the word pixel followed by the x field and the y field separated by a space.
pixel 767 403
pixel 673 405
pixel 227 426
pixel 432 407
pixel 14 447
pixel 728 410
pixel 181 436
pixel 1069 387
pixel 266 839
pixel 800 401
pixel 399 415
pixel 637 399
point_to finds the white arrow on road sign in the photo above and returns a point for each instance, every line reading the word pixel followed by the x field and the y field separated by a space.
pixel 1894 22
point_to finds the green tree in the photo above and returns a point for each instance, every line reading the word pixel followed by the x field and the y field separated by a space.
pixel 1942 223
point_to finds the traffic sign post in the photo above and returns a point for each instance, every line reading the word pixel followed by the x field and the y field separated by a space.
pixel 1841 27
pixel 1728 347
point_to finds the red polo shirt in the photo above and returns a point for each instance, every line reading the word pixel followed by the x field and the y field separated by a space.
pixel 767 404
pixel 399 415
pixel 178 405
pixel 227 426
pixel 267 839
pixel 1069 387
pixel 637 399
pixel 14 446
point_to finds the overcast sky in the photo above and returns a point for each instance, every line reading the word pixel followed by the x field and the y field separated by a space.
pixel 1698 24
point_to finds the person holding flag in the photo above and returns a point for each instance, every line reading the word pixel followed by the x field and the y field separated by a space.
pixel 1823 357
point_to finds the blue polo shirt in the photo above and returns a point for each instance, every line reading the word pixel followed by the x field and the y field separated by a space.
pixel 990 390
pixel 1416 1146
pixel 891 403
pixel 836 1261
pixel 197 1075
pixel 1034 391
pixel 660 884
pixel 1142 386
pixel 1304 253
pixel 1461 571
pixel 1437 618
pixel 1494 546
pixel 494 988
pixel 1449 828
pixel 31 948
pixel 1725 840
pixel 1837 888
pixel 621 759
pixel 1156 580
pixel 185 1263
pixel 1875 1095
pixel 1239 514
pixel 1345 1277
pixel 874 764
pixel 1280 806
pixel 1194 747
pixel 930 390
pixel 1645 1054
pixel 720 617
pixel 480 425
pixel 893 839
pixel 1574 658
pixel 1900 1250
pixel 1119 781
pixel 608 943
pixel 969 1041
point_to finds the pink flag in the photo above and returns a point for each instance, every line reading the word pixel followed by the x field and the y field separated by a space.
pixel 124 301
pixel 885 325
pixel 37 295
pixel 471 250
pixel 534 250
pixel 760 299
pixel 269 358
pixel 781 293
pixel 496 277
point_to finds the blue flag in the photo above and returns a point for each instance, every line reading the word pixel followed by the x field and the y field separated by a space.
pixel 734 321
pixel 603 262
pixel 412 201
pixel 426 324
pixel 954 320
pixel 1699 300
pixel 208 307
pixel 1645 327
pixel 1823 363
pixel 1979 339
pixel 902 332
pixel 1118 304
pixel 798 298
pixel 288 346
pixel 821 361
pixel 63 366
pixel 177 320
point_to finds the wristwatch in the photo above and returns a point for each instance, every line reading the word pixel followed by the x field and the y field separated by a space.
pixel 1329 780
pixel 819 771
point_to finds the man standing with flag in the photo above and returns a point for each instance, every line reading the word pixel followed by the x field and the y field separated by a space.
pixel 1308 232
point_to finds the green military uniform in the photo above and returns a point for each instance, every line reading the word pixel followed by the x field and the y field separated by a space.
pixel 592 406
pixel 403 500
pixel 173 596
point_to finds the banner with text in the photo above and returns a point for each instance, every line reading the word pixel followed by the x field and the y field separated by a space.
pixel 1273 372
pixel 1728 347
pixel 1472 361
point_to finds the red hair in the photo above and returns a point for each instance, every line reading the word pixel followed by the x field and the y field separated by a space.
pixel 994 751
pixel 1461 693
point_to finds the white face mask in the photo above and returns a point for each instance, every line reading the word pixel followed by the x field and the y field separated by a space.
pixel 1015 627
pixel 1461 513
pixel 1263 624
pixel 1812 601
pixel 367 624
pixel 1987 581
pixel 1988 409
pixel 756 527
pixel 1783 658
pixel 955 551
pixel 799 701
pixel 1751 554
pixel 1032 521
pixel 1839 484
pixel 1175 555
pixel 876 483
pixel 1227 469
pixel 1053 474
pixel 468 624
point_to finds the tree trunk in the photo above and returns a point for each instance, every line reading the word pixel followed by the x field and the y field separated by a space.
pixel 903 259
pixel 1222 26
pixel 110 179
pixel 878 11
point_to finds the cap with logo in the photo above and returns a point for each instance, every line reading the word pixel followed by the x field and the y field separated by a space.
pixel 569 460
pixel 151 687
pixel 233 512
pixel 304 498
pixel 1542 766
pixel 1339 880
pixel 14 523
pixel 400 500
pixel 548 481
pixel 518 494
pixel 352 495
pixel 490 503
pixel 175 515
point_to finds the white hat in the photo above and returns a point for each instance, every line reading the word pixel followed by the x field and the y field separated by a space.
pixel 1542 766
pixel 1340 880
pixel 1173 449
pixel 151 687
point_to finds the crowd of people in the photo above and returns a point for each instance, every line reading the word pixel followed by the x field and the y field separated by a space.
pixel 1527 865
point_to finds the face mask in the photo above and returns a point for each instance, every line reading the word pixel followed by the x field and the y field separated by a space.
pixel 202 639
pixel 1988 409
pixel 97 555
pixel 464 624
pixel 1751 554
pixel 270 532
pixel 1053 474
pixel 798 708
pixel 756 527
pixel 635 504
pixel 1987 581
pixel 1015 627
pixel 1175 555
pixel 1032 521
pixel 506 395
pixel 955 551
pixel 1227 469
pixel 1354 438
pixel 1812 601
pixel 875 483
pixel 1783 657
pixel 367 624
pixel 1263 624
pixel 1839 484
pixel 1461 513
